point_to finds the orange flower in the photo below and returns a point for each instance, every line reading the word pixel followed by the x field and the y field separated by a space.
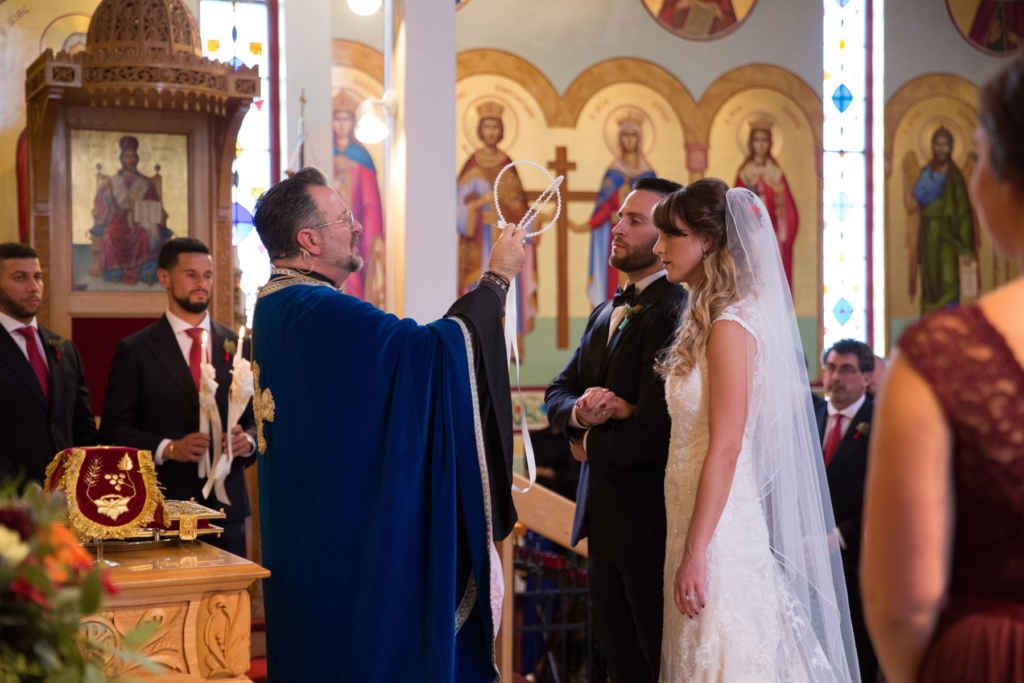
pixel 67 555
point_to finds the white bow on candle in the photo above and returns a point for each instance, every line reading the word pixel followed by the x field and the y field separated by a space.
pixel 242 389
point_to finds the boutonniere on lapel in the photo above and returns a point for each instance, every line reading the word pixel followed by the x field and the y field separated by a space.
pixel 631 312
pixel 861 430
pixel 229 350
pixel 57 345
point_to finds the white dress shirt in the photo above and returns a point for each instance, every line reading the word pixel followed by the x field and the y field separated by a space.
pixel 11 324
pixel 846 415
pixel 618 313
pixel 185 342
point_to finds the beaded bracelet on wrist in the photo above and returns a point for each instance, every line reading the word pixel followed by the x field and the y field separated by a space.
pixel 496 279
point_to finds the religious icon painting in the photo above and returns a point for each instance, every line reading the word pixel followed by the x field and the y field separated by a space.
pixel 937 255
pixel 700 19
pixel 491 114
pixel 357 175
pixel 762 140
pixel 129 196
pixel 642 138
pixel 993 26
pixel 67 33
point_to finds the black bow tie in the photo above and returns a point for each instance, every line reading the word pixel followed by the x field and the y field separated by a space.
pixel 624 297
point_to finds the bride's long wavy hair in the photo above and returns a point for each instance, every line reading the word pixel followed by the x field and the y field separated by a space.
pixel 701 208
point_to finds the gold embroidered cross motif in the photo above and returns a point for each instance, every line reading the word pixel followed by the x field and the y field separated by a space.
pixel 263 408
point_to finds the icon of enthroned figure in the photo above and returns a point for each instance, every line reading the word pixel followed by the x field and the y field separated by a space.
pixel 355 180
pixel 129 221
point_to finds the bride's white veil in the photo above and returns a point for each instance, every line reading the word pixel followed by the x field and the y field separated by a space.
pixel 787 456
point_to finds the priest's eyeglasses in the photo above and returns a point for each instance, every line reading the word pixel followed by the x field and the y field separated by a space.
pixel 349 218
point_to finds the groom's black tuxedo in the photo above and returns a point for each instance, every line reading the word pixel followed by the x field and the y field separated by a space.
pixel 620 501
pixel 846 473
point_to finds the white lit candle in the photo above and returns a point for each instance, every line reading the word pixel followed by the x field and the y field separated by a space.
pixel 206 356
pixel 238 348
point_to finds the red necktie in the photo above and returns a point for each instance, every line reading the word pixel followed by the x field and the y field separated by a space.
pixel 35 359
pixel 195 355
pixel 833 439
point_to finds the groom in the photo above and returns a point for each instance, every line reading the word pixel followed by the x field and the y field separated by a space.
pixel 611 403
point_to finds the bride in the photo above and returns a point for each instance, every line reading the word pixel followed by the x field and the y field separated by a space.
pixel 754 589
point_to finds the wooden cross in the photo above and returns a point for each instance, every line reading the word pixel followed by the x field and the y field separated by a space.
pixel 561 167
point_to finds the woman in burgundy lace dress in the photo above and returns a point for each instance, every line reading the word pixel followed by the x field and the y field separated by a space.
pixel 943 558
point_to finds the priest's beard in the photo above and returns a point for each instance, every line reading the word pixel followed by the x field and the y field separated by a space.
pixel 350 262
pixel 192 306
pixel 635 258
pixel 14 309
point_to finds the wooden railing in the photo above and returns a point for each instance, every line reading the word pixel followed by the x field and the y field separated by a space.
pixel 549 514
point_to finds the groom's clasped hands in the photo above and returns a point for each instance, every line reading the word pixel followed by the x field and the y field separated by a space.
pixel 595 407
pixel 598 405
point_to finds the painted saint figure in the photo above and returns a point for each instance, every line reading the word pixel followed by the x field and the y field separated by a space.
pixel 129 220
pixel 355 180
pixel 944 243
pixel 477 220
pixel 998 25
pixel 761 173
pixel 629 166
pixel 698 17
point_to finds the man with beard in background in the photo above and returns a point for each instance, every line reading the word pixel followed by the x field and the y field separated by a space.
pixel 152 399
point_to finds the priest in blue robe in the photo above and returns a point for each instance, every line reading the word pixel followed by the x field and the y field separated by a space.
pixel 385 459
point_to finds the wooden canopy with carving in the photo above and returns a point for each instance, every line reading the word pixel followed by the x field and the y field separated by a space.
pixel 143 71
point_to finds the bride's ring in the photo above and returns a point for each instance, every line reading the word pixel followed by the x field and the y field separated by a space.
pixel 688 597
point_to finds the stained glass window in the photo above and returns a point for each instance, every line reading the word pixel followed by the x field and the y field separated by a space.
pixel 237 33
pixel 845 187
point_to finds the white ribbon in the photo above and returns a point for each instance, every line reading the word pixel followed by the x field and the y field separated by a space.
pixel 209 423
pixel 512 301
pixel 243 386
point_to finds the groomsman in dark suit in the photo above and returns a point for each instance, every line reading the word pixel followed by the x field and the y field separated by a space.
pixel 611 403
pixel 44 400
pixel 152 399
pixel 844 423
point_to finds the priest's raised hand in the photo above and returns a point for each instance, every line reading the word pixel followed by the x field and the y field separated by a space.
pixel 385 458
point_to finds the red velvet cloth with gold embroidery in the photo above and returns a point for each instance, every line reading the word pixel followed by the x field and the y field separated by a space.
pixel 111 491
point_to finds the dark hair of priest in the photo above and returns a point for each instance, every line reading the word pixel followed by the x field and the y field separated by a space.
pixel 285 209
pixel 16 250
pixel 170 252
pixel 659 186
pixel 1002 117
pixel 865 356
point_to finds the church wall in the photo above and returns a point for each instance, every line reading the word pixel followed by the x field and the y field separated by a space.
pixel 564 38
pixel 565 44
pixel 921 38
pixel 932 74
pixel 27 28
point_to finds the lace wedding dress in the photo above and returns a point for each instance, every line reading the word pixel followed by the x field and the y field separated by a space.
pixel 750 626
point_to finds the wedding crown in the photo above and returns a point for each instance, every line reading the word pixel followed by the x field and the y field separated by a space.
pixel 490 110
